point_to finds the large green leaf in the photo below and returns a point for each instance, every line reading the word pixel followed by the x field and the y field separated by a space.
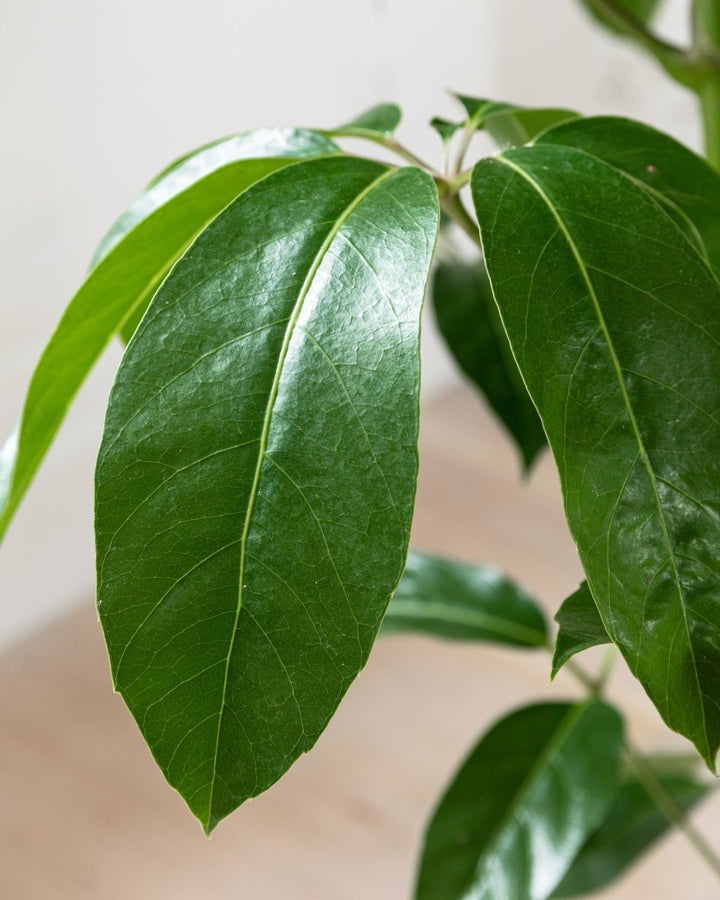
pixel 468 320
pixel 522 804
pixel 612 314
pixel 132 261
pixel 631 828
pixel 510 125
pixel 684 181
pixel 455 600
pixel 257 474
pixel 580 627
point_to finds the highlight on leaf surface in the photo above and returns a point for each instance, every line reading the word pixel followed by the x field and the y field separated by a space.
pixel 255 485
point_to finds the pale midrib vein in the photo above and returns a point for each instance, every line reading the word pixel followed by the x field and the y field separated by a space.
pixel 446 612
pixel 551 751
pixel 264 436
pixel 631 414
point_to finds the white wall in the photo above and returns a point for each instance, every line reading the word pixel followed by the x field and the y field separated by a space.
pixel 97 96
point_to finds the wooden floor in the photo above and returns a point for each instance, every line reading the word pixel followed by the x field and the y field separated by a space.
pixel 86 814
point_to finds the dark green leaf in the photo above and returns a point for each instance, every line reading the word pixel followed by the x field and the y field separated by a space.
pixel 632 826
pixel 132 261
pixel 444 128
pixel 522 804
pixel 613 317
pixel 469 321
pixel 642 10
pixel 380 120
pixel 257 474
pixel 510 125
pixel 685 182
pixel 473 603
pixel 580 627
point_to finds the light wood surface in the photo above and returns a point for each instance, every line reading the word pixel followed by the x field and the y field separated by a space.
pixel 86 814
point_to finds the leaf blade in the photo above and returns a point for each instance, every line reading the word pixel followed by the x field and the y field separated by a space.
pixel 379 121
pixel 504 830
pixel 301 474
pixel 670 170
pixel 470 324
pixel 585 334
pixel 643 11
pixel 455 600
pixel 632 827
pixel 508 124
pixel 580 627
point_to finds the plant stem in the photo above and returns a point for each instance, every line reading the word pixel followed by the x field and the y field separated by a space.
pixel 453 206
pixel 580 675
pixel 667 805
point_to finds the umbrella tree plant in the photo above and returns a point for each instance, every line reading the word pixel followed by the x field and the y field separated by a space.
pixel 256 478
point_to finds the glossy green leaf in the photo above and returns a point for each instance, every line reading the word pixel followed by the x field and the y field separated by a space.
pixel 686 184
pixel 455 600
pixel 257 474
pixel 510 125
pixel 580 627
pixel 470 324
pixel 632 827
pixel 642 10
pixel 378 121
pixel 522 804
pixel 603 296
pixel 132 261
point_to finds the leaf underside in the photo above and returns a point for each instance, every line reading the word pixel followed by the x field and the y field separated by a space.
pixel 510 125
pixel 257 475
pixel 469 322
pixel 522 804
pixel 455 600
pixel 602 295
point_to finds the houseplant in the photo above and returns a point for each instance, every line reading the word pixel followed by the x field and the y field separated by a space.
pixel 267 455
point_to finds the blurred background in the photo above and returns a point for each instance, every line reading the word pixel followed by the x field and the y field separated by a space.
pixel 95 98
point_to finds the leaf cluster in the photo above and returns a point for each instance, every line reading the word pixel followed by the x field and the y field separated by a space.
pixel 256 478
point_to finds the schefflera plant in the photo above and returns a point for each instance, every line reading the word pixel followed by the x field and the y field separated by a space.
pixel 256 479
